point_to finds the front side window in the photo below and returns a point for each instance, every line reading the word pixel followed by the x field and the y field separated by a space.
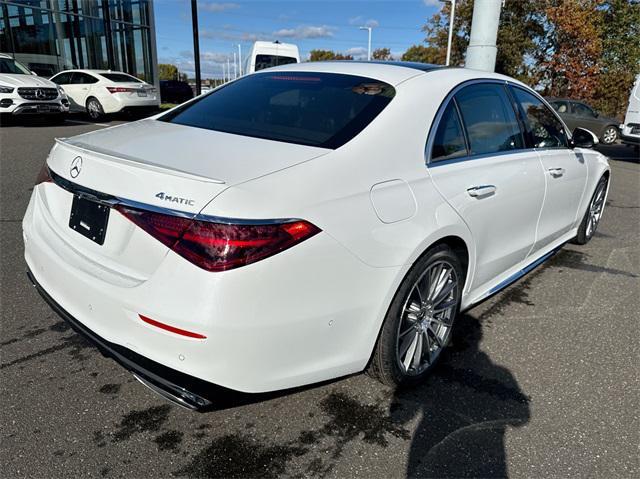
pixel 560 106
pixel 489 119
pixel 543 127
pixel 268 61
pixel 448 141
pixel 316 109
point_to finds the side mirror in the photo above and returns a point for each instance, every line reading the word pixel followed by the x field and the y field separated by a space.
pixel 583 138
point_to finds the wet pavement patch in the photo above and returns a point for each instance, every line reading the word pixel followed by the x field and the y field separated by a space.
pixel 236 456
pixel 110 388
pixel 146 420
pixel 169 441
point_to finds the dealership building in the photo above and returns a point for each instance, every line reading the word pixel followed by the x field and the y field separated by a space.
pixel 53 35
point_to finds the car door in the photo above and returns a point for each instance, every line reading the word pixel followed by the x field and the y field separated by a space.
pixel 478 162
pixel 565 169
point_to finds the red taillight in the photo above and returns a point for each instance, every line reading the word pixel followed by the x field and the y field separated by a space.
pixel 220 246
pixel 119 89
pixel 44 176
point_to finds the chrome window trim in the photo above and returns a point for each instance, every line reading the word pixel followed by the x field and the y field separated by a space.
pixel 450 97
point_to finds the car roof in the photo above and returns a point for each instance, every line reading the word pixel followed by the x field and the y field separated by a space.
pixel 5 55
pixel 391 72
pixel 99 72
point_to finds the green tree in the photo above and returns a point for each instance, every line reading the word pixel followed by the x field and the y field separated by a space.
pixel 420 53
pixel 325 55
pixel 381 54
pixel 620 60
pixel 167 71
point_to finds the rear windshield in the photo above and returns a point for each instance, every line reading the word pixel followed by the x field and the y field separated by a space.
pixel 317 109
pixel 120 78
pixel 268 61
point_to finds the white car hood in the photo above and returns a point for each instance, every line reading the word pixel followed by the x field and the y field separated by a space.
pixel 24 80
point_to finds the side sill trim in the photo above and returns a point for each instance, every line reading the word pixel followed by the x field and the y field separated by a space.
pixel 516 276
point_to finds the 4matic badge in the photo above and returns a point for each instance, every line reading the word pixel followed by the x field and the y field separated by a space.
pixel 175 199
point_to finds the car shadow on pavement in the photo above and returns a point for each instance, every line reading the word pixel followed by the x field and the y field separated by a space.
pixel 464 410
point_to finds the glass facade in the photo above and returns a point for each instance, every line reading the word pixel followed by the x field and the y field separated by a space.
pixel 54 35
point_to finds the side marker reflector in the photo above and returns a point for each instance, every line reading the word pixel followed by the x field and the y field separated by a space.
pixel 172 329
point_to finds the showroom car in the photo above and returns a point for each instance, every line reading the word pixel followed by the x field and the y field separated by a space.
pixel 306 222
pixel 101 92
pixel 578 114
pixel 24 93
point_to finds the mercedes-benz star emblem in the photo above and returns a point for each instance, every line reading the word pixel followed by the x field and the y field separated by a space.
pixel 76 167
pixel 40 93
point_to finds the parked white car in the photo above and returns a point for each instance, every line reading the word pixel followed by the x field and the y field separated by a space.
pixel 271 54
pixel 306 222
pixel 24 93
pixel 630 129
pixel 100 92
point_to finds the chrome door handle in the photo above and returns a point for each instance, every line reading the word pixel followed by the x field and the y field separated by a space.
pixel 482 190
pixel 556 171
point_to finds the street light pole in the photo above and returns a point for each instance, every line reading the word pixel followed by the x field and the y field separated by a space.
pixel 235 68
pixel 369 46
pixel 196 45
pixel 240 59
pixel 451 20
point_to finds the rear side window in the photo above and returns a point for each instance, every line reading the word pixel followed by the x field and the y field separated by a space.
pixel 268 61
pixel 489 119
pixel 544 130
pixel 120 78
pixel 83 78
pixel 317 109
pixel 62 79
pixel 449 141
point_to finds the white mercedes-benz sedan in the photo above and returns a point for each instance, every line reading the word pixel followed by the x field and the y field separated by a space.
pixel 306 222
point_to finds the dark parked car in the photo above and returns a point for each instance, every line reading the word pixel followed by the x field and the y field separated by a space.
pixel 174 91
pixel 579 114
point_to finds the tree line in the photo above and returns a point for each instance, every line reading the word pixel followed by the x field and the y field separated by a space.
pixel 582 49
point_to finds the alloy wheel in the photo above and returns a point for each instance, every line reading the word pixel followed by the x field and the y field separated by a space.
pixel 427 318
pixel 94 109
pixel 595 208
pixel 610 135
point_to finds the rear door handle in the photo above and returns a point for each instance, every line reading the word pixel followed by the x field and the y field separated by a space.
pixel 556 171
pixel 481 190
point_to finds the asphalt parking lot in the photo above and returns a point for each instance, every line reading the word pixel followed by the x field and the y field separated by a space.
pixel 541 381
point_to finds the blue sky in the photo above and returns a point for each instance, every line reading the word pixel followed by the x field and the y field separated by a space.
pixel 310 24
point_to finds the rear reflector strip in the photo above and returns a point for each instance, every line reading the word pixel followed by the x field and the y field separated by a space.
pixel 171 329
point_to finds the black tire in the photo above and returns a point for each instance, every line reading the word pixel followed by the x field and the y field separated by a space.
pixel 609 135
pixel 385 364
pixel 94 109
pixel 585 232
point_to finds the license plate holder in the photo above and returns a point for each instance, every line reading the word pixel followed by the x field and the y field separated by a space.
pixel 89 218
pixel 142 93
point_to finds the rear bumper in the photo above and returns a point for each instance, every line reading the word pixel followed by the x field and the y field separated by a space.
pixel 630 139
pixel 184 390
pixel 626 135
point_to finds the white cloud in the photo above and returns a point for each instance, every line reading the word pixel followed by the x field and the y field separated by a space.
pixel 307 31
pixel 358 53
pixel 361 22
pixel 234 36
pixel 432 3
pixel 217 7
